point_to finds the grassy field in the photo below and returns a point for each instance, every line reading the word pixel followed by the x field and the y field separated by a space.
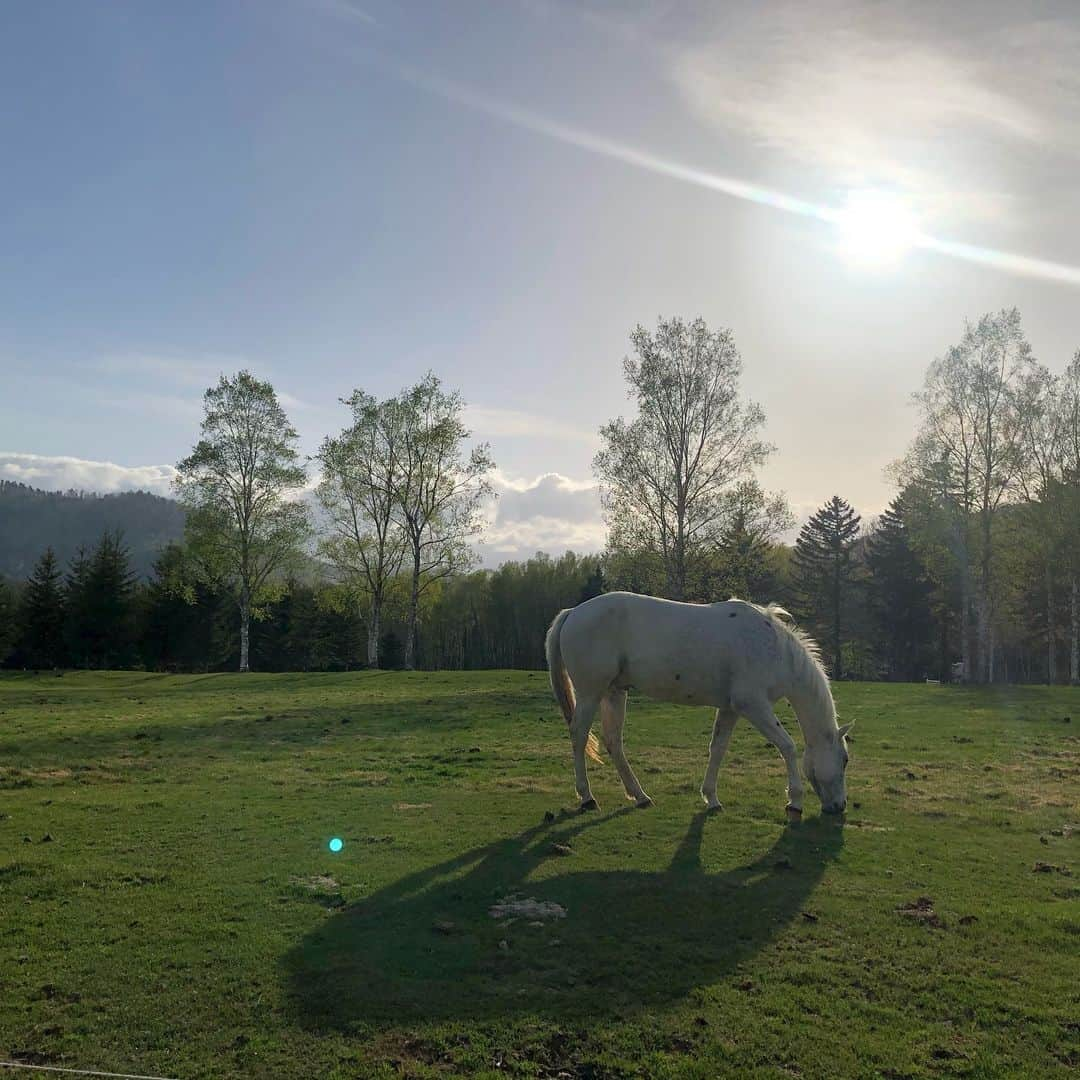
pixel 169 906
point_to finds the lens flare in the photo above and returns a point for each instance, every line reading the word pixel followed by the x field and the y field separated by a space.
pixel 336 844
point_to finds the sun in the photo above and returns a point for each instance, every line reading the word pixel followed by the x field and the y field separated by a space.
pixel 875 228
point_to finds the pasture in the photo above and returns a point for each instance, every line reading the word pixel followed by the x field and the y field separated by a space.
pixel 168 904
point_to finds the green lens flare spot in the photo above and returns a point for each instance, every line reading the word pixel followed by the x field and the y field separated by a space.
pixel 336 844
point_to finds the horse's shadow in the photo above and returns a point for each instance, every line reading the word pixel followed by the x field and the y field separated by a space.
pixel 426 949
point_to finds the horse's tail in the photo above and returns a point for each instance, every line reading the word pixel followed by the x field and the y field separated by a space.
pixel 561 686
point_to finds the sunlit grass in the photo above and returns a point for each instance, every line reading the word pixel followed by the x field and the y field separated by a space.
pixel 170 904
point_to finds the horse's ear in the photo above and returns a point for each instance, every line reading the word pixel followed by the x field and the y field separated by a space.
pixel 845 728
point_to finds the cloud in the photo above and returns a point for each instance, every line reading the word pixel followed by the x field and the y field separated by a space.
pixel 873 94
pixel 551 513
pixel 57 473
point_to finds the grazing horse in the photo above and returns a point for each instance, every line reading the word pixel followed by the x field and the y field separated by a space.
pixel 733 656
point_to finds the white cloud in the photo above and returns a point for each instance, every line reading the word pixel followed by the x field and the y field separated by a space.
pixel 58 473
pixel 872 94
pixel 551 513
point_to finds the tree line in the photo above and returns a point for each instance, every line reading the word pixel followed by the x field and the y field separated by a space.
pixel 971 572
pixel 95 614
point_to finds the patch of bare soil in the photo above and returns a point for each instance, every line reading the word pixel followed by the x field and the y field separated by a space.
pixel 526 908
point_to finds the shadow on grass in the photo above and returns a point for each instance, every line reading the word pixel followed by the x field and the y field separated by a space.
pixel 425 948
pixel 306 721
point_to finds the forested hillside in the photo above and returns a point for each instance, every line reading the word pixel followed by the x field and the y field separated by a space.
pixel 32 520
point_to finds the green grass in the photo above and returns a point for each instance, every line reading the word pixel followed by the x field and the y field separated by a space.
pixel 187 920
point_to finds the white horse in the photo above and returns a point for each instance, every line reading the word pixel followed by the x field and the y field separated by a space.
pixel 735 657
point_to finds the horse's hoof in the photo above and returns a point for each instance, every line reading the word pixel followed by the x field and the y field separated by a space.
pixel 713 807
pixel 589 804
pixel 794 814
pixel 643 803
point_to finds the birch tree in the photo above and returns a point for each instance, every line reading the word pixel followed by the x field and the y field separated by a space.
pixel 974 406
pixel 440 491
pixel 664 474
pixel 1069 431
pixel 1040 482
pixel 359 494
pixel 239 485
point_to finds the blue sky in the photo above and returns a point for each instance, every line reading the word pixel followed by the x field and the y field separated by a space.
pixel 342 194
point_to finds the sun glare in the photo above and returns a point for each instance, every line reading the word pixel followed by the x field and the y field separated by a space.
pixel 876 228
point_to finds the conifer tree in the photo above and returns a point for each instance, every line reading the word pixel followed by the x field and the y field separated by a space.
pixel 100 605
pixel 898 590
pixel 41 616
pixel 77 614
pixel 8 626
pixel 824 573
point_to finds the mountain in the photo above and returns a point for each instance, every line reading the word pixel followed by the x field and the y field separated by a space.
pixel 32 520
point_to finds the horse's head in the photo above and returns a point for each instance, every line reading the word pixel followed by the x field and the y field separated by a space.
pixel 824 764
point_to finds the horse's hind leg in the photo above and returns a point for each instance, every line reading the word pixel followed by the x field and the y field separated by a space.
pixel 584 713
pixel 759 712
pixel 721 736
pixel 612 717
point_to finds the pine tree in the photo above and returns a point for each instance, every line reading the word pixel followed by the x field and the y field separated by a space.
pixel 185 621
pixel 100 601
pixel 745 564
pixel 77 613
pixel 8 623
pixel 41 616
pixel 899 592
pixel 112 585
pixel 824 572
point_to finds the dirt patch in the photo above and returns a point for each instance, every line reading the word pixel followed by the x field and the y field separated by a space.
pixel 526 908
pixel 412 805
pixel 318 883
pixel 922 911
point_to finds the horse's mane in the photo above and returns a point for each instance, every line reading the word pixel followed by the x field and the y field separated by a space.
pixel 806 657
pixel 786 621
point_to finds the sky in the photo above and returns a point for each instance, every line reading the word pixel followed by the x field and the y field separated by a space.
pixel 348 193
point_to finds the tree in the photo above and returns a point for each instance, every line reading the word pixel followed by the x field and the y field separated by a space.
pixel 99 606
pixel 359 492
pixel 824 571
pixel 974 406
pixel 78 612
pixel 239 486
pixel 183 617
pixel 745 563
pixel 664 475
pixel 41 616
pixel 8 619
pixel 899 593
pixel 440 491
pixel 1069 420
pixel 1039 482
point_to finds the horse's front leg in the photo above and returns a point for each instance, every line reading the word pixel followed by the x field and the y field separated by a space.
pixel 721 736
pixel 761 715
pixel 584 712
